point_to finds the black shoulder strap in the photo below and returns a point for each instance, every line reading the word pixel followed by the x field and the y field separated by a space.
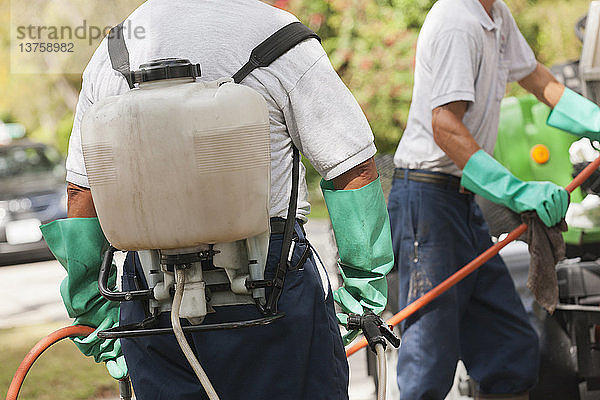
pixel 118 53
pixel 274 47
pixel 263 55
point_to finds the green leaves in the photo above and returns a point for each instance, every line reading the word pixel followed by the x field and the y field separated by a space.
pixel 372 49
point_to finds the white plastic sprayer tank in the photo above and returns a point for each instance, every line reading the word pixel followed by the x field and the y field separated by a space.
pixel 176 163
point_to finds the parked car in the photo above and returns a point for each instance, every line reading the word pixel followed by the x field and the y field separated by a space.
pixel 32 192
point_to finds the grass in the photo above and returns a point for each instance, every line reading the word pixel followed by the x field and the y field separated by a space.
pixel 61 372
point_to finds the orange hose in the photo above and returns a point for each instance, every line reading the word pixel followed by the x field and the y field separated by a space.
pixel 472 266
pixel 37 350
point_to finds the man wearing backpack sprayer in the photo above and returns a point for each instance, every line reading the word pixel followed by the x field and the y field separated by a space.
pixel 302 355
pixel 467 51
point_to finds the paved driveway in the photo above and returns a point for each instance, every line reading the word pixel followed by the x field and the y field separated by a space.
pixel 30 294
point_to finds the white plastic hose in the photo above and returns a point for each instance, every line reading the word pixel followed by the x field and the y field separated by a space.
pixel 185 347
pixel 381 372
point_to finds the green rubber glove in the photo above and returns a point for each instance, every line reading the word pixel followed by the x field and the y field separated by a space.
pixel 79 244
pixel 361 226
pixel 577 115
pixel 486 177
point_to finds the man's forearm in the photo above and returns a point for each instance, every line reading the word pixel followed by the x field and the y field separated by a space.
pixel 79 202
pixel 360 223
pixel 357 177
pixel 543 85
pixel 451 135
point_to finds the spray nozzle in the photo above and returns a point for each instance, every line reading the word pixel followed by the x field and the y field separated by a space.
pixel 374 328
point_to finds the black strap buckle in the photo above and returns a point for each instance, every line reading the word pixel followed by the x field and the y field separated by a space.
pixel 259 284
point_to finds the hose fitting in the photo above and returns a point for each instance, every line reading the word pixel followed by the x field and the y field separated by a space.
pixel 374 328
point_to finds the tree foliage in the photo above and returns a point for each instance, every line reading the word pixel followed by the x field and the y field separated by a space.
pixel 371 44
pixel 549 27
pixel 371 47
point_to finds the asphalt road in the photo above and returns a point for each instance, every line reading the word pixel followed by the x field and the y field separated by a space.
pixel 30 294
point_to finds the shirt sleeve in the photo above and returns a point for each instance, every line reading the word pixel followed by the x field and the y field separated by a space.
pixel 519 57
pixel 326 123
pixel 454 61
pixel 76 172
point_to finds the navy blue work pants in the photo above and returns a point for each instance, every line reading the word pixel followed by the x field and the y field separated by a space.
pixel 437 230
pixel 299 357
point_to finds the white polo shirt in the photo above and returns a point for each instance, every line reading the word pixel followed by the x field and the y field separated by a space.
pixel 462 55
pixel 308 103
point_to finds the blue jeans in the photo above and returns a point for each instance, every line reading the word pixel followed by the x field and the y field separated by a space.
pixel 436 231
pixel 298 357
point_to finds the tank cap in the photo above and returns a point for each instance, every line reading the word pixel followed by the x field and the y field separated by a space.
pixel 166 68
pixel 540 154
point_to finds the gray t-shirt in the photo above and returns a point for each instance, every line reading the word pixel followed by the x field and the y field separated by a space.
pixel 308 103
pixel 462 55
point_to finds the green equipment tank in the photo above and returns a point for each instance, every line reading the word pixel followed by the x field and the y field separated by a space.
pixel 534 151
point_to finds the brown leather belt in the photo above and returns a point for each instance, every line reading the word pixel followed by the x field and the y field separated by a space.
pixel 447 181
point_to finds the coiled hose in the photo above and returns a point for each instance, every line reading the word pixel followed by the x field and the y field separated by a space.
pixel 183 343
pixel 37 350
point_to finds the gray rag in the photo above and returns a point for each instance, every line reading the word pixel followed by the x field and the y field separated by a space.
pixel 546 248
